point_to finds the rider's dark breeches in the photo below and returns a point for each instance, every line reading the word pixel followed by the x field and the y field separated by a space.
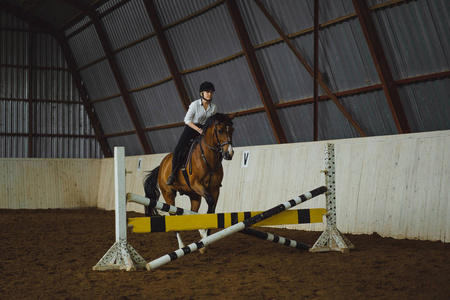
pixel 187 135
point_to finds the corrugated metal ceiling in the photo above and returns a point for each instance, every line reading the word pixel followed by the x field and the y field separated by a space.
pixel 206 46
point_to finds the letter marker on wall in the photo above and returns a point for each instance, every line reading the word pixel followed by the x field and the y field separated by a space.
pixel 245 159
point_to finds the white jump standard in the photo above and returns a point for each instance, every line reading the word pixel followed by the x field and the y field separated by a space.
pixel 121 255
pixel 331 239
pixel 233 229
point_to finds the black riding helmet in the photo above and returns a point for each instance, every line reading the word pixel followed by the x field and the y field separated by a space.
pixel 206 86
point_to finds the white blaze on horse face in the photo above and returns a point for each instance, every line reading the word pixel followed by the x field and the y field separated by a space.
pixel 230 150
pixel 230 147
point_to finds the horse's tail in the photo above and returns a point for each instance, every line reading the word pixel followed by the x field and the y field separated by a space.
pixel 151 190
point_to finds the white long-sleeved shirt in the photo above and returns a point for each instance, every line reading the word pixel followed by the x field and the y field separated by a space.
pixel 197 114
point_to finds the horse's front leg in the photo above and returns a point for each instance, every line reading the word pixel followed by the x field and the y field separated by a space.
pixel 195 205
pixel 211 200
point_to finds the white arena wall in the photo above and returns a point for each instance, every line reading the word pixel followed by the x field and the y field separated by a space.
pixel 32 183
pixel 397 186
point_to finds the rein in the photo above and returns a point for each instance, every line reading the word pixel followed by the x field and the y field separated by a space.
pixel 219 145
pixel 217 149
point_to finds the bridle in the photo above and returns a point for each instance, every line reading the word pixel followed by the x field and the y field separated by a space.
pixel 219 145
pixel 217 148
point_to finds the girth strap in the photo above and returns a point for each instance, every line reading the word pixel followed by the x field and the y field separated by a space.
pixel 186 177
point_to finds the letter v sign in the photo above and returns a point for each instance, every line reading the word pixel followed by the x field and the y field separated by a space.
pixel 245 159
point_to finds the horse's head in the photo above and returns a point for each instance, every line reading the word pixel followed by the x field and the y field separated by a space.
pixel 220 127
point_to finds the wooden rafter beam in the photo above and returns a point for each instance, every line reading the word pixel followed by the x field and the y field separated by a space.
pixel 382 66
pixel 255 68
pixel 263 45
pixel 38 23
pixel 168 55
pixel 357 91
pixel 27 17
pixel 31 102
pixel 49 135
pixel 310 71
pixel 81 15
pixel 95 121
pixel 132 112
pixel 316 70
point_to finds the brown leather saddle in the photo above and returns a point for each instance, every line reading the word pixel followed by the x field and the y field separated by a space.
pixel 185 158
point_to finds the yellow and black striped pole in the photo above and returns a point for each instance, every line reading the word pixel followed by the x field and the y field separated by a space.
pixel 222 220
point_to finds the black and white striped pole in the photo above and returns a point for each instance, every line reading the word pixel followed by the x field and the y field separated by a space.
pixel 248 231
pixel 233 229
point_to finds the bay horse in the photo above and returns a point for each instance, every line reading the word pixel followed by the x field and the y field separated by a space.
pixel 204 169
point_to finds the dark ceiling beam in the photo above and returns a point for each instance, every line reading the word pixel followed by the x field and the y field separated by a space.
pixel 303 61
pixel 236 55
pixel 416 79
pixel 382 66
pixel 96 125
pixel 316 70
pixel 168 55
pixel 333 22
pixel 50 135
pixel 357 91
pixel 255 68
pixel 31 102
pixel 194 14
pixel 31 5
pixel 115 70
pixel 44 100
pixel 37 22
pixel 27 17
pixel 33 67
pixel 75 20
pixel 207 8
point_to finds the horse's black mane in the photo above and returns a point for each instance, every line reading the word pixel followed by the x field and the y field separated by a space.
pixel 221 118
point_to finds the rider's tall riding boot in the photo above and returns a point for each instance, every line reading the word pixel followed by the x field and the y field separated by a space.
pixel 173 177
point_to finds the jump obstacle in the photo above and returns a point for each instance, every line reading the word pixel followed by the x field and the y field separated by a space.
pixel 184 220
pixel 121 255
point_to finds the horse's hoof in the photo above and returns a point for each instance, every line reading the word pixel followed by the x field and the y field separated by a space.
pixel 202 250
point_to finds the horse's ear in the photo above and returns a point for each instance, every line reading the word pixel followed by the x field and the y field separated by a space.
pixel 232 115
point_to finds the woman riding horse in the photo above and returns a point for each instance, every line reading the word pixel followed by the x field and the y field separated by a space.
pixel 203 173
pixel 195 118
